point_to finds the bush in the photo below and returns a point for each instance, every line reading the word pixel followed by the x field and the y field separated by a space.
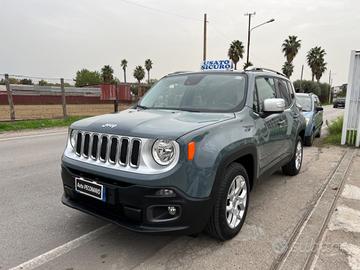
pixel 319 89
pixel 335 131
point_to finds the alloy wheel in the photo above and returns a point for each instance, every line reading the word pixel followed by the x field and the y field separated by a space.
pixel 298 155
pixel 236 201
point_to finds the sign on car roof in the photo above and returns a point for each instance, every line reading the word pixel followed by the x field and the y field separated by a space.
pixel 217 65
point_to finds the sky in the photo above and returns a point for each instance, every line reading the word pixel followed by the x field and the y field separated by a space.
pixel 55 38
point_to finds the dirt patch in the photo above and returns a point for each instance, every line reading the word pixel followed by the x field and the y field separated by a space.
pixel 23 112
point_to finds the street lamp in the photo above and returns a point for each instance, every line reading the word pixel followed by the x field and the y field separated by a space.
pixel 250 29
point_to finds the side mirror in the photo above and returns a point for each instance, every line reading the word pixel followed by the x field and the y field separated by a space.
pixel 319 109
pixel 274 105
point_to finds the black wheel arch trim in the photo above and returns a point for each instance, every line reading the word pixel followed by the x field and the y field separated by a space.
pixel 232 157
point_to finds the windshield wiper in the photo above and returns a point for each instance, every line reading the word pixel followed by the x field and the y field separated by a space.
pixel 141 107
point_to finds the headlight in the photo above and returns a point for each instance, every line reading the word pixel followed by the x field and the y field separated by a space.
pixel 73 135
pixel 164 152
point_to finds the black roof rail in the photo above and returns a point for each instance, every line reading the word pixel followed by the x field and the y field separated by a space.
pixel 264 69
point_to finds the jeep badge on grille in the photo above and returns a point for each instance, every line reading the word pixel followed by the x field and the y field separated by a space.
pixel 108 125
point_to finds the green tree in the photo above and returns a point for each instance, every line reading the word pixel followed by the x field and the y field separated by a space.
pixel 85 77
pixel 139 73
pixel 320 69
pixel 107 74
pixel 236 51
pixel 124 63
pixel 316 62
pixel 291 47
pixel 148 66
pixel 43 83
pixel 26 82
pixel 308 87
pixel 288 69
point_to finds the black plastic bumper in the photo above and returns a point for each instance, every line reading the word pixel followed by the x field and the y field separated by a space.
pixel 138 208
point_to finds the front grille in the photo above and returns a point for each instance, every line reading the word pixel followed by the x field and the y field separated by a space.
pixel 108 148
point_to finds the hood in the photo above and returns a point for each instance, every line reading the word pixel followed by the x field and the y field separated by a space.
pixel 150 123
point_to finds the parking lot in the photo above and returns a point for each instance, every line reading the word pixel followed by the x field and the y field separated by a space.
pixel 37 229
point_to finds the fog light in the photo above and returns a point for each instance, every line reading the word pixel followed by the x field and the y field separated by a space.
pixel 172 210
pixel 165 192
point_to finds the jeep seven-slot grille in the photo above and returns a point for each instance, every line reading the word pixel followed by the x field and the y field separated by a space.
pixel 108 148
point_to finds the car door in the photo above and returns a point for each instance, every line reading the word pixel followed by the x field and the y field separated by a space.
pixel 271 128
pixel 285 91
pixel 318 114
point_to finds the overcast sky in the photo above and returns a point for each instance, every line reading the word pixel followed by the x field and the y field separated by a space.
pixel 55 38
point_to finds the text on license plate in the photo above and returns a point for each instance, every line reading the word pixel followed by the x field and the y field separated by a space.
pixel 90 188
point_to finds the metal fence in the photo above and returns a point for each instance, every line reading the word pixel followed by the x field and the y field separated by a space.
pixel 19 101
pixel 351 125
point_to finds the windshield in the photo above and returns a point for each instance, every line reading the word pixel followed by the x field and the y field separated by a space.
pixel 197 92
pixel 305 102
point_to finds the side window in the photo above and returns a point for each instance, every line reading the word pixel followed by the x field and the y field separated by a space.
pixel 291 89
pixel 317 102
pixel 283 91
pixel 265 88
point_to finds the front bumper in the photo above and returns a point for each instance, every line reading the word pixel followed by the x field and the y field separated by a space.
pixel 137 207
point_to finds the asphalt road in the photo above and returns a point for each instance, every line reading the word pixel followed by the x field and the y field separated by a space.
pixel 37 229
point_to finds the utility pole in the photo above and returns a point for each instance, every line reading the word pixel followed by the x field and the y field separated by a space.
pixel 63 98
pixel 330 86
pixel 10 98
pixel 301 78
pixel 204 49
pixel 249 31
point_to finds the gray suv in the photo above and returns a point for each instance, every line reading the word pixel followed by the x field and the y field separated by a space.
pixel 186 157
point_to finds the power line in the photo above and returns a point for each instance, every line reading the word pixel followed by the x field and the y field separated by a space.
pixel 160 11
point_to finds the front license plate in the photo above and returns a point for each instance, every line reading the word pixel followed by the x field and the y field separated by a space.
pixel 90 188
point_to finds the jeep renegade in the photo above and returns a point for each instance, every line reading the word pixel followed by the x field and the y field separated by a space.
pixel 186 157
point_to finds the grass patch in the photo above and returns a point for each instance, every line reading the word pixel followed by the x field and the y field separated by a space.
pixel 335 131
pixel 36 124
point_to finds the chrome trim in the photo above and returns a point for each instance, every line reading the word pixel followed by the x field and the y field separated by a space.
pixel 139 153
pixel 100 158
pixel 127 151
pixel 145 162
pixel 110 146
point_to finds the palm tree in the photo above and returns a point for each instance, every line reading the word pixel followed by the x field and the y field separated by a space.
pixel 107 74
pixel 321 68
pixel 291 47
pixel 247 64
pixel 139 74
pixel 316 62
pixel 124 63
pixel 236 51
pixel 148 66
pixel 288 69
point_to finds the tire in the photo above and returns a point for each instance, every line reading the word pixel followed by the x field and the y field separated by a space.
pixel 294 166
pixel 318 135
pixel 334 106
pixel 309 140
pixel 222 224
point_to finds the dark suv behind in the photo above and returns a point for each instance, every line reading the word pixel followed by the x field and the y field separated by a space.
pixel 188 155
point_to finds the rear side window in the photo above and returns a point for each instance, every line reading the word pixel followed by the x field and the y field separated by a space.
pixel 283 91
pixel 265 88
